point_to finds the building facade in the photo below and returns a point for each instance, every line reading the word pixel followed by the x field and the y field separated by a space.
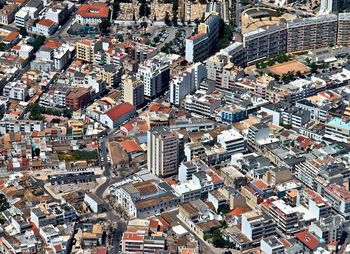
pixel 162 153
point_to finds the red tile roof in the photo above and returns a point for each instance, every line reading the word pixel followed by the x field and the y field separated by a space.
pixel 101 250
pixel 338 191
pixel 197 36
pixel 128 126
pixel 46 22
pixel 238 211
pixel 155 107
pixel 286 243
pixel 169 181
pixel 308 239
pixel 130 146
pixel 11 36
pixel 93 11
pixel 260 184
pixel 52 44
pixel 313 195
pixel 130 236
pixel 85 42
pixel 120 110
pixel 16 47
pixel 154 223
pixel 58 248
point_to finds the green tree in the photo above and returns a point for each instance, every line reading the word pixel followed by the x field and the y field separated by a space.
pixel 144 10
pixel 38 42
pixel 167 19
pixel 104 26
pixel 156 39
pixel 67 112
pixel 225 35
pixel 197 22
pixel 4 204
pixel 116 9
pixel 35 113
pixel 23 32
pixel 120 38
pixel 165 48
pixel 174 20
pixel 55 120
pixel 313 67
pixel 37 151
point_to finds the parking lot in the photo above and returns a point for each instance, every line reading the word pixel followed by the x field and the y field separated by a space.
pixel 66 188
pixel 72 178
pixel 160 37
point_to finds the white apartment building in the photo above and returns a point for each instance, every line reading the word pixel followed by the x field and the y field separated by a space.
pixel 52 213
pixel 187 169
pixel 338 129
pixel 162 151
pixel 16 91
pixel 60 95
pixel 155 75
pixel 232 141
pixel 62 55
pixel 55 14
pixel 199 46
pixel 140 203
pixel 199 185
pixel 45 27
pixel 271 245
pixel 94 202
pixel 53 237
pixel 316 204
pixel 24 14
pixel 202 104
pixel 288 219
pixel 20 126
pixel 141 243
pixel 222 71
pixel 186 83
pixel 328 229
pixel 59 11
pixel 255 226
pixel 339 198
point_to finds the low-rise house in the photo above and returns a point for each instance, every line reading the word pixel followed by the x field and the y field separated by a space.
pixel 52 213
pixel 95 203
pixel 45 27
pixel 117 115
pixel 92 14
pixel 144 199
pixel 198 216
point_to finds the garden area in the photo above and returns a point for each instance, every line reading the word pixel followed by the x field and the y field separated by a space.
pixel 280 58
pixel 177 45
pixel 215 237
pixel 78 155
pixel 36 112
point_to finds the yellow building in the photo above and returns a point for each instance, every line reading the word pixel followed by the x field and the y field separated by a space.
pixel 133 91
pixel 85 50
pixel 251 196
